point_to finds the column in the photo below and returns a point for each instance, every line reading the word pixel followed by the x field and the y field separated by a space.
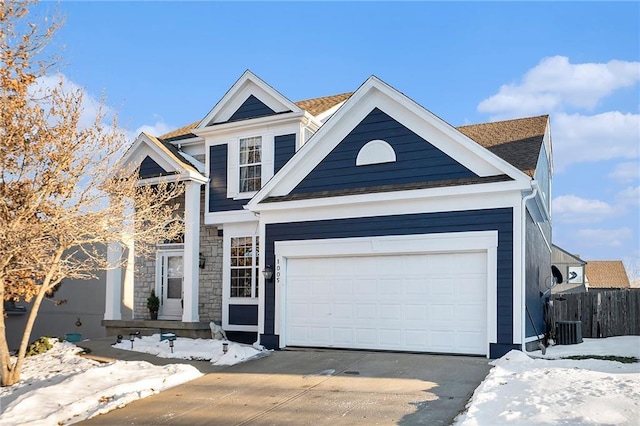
pixel 191 251
pixel 113 297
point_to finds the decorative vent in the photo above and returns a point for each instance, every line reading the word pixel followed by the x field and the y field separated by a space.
pixel 376 151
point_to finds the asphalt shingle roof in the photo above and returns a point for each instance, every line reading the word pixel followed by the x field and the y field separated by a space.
pixel 314 106
pixel 606 274
pixel 516 141
pixel 319 105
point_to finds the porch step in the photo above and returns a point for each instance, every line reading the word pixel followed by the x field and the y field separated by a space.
pixel 149 327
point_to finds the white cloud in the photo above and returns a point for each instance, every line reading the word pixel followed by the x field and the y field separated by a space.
pixel 590 138
pixel 157 129
pixel 91 106
pixel 555 84
pixel 604 237
pixel 629 196
pixel 626 172
pixel 573 209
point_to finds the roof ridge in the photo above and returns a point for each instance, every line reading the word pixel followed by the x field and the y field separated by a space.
pixel 323 97
pixel 503 121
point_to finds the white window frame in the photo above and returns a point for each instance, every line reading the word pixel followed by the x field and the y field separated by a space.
pixel 233 164
pixel 255 260
pixel 249 165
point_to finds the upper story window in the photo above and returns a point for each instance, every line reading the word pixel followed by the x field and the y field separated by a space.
pixel 250 164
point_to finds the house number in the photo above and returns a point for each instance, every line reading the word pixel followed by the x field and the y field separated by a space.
pixel 278 271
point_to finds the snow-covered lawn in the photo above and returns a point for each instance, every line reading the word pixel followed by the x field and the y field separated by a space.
pixel 196 349
pixel 522 390
pixel 61 387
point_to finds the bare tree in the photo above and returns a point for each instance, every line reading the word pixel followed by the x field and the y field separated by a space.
pixel 63 195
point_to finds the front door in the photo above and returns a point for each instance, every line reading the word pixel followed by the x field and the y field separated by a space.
pixel 172 277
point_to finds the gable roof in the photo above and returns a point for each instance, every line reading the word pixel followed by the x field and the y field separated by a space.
pixel 313 106
pixel 166 156
pixel 606 274
pixel 516 141
pixel 372 94
pixel 317 106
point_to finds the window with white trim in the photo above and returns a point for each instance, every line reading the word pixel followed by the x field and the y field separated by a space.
pixel 244 266
pixel 250 164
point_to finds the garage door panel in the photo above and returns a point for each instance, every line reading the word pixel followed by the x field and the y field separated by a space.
pixel 388 302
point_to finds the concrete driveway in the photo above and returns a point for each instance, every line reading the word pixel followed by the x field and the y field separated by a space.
pixel 319 387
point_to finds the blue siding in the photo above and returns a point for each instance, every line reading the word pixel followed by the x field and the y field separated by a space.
pixel 424 223
pixel 149 168
pixel 416 159
pixel 251 108
pixel 285 147
pixel 243 314
pixel 218 200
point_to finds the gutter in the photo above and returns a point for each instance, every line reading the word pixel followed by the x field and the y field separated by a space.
pixel 523 268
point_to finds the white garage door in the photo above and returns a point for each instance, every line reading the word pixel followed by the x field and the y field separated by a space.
pixel 424 302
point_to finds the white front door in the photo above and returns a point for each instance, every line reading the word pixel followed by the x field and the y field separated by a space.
pixel 171 283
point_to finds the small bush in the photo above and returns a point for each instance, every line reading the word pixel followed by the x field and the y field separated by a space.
pixel 40 346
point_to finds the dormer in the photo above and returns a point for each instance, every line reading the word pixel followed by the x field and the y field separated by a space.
pixel 248 136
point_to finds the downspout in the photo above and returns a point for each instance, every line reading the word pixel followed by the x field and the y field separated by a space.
pixel 523 266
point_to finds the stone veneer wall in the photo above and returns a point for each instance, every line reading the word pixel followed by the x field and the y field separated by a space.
pixel 210 283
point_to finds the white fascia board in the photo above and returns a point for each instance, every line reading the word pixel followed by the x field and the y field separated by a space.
pixel 375 93
pixel 379 207
pixel 188 142
pixel 231 216
pixel 248 125
pixel 144 147
pixel 247 84
pixel 323 116
pixel 484 191
pixel 548 145
pixel 180 177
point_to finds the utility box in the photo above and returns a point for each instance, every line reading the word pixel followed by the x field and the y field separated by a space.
pixel 568 332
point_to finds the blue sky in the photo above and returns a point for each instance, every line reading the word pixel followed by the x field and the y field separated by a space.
pixel 165 64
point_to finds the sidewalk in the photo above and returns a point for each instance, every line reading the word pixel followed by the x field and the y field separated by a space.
pixel 102 351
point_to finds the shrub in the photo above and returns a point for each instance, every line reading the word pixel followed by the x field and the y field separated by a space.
pixel 39 346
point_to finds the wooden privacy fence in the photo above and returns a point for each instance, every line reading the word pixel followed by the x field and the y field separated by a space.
pixel 602 313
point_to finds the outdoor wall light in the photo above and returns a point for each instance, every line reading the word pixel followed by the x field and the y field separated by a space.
pixel 268 272
pixel 201 260
pixel 225 347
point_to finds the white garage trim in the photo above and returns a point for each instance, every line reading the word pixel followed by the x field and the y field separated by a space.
pixel 486 241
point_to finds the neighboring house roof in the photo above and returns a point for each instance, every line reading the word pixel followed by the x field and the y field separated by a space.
pixel 606 274
pixel 319 105
pixel 516 141
pixel 575 257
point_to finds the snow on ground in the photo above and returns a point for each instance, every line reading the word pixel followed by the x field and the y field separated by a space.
pixel 60 387
pixel 524 391
pixel 196 349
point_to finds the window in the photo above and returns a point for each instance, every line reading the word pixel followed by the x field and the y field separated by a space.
pixel 250 164
pixel 244 267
